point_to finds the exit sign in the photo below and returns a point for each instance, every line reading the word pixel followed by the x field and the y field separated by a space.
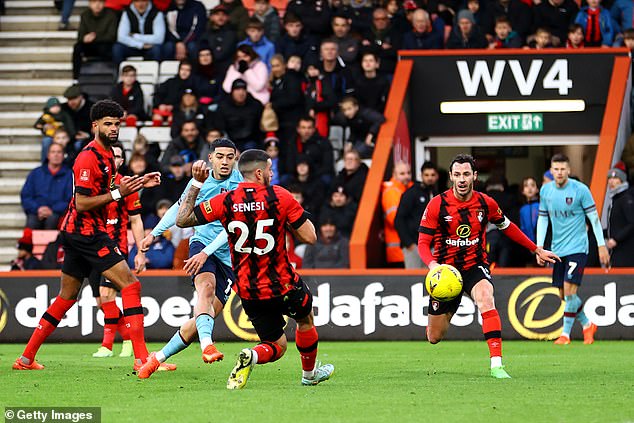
pixel 515 122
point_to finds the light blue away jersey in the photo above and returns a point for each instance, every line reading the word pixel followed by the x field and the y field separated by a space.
pixel 567 207
pixel 207 233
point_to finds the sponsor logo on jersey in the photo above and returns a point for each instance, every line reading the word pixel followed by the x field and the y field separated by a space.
pixel 463 231
pixel 448 218
pixel 112 221
pixel 84 175
pixel 207 207
pixel 462 242
pixel 137 203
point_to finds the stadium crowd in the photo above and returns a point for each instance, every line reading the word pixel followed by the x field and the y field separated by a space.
pixel 306 81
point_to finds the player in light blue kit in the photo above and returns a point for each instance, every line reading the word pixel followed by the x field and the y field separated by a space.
pixel 567 202
pixel 209 261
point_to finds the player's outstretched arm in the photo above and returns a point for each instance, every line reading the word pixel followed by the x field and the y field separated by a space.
pixel 306 232
pixel 186 217
pixel 128 185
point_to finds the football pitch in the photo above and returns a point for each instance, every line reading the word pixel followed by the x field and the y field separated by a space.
pixel 373 382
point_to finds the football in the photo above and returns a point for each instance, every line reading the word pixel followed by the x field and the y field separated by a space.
pixel 444 283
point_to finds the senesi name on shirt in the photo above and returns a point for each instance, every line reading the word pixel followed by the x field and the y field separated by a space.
pixel 249 207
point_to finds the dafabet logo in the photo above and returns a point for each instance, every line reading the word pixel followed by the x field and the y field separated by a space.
pixel 535 309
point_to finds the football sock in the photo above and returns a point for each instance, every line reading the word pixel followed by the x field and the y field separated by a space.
pixel 306 343
pixel 267 352
pixel 133 312
pixel 205 326
pixel 581 316
pixel 111 321
pixel 122 328
pixel 174 346
pixel 492 329
pixel 570 313
pixel 48 322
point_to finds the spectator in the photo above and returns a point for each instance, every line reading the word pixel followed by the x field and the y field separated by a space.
pixel 187 110
pixel 129 95
pixel 317 149
pixel 348 46
pixel 265 13
pixel 96 35
pixel 173 184
pixel 505 37
pixel 466 34
pixel 364 126
pixel 150 150
pixel 329 252
pixel 542 39
pixel 384 39
pixel 220 38
pixel 159 256
pixel 500 247
pixel 295 42
pixel 53 118
pixel 67 10
pixel 620 239
pixel 25 259
pixel 622 12
pixel 360 14
pixel 206 77
pixel 575 37
pixel 47 191
pixel 239 116
pixel 309 184
pixel 425 34
pixel 137 165
pixel 410 211
pixel 352 176
pixel 169 93
pixel 53 256
pixel 529 211
pixel 482 15
pixel 62 138
pixel 547 177
pixel 186 21
pixel 238 15
pixel 391 193
pixel 341 210
pixel 597 24
pixel 315 14
pixel 258 41
pixel 189 140
pixel 287 99
pixel 371 88
pixel 141 32
pixel 518 13
pixel 78 108
pixel 556 15
pixel 272 148
pixel 318 97
pixel 249 68
pixel 334 69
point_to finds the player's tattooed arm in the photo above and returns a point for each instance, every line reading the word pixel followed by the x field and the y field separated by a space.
pixel 186 217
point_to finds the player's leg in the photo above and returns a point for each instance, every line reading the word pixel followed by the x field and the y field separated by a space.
pixel 204 316
pixel 110 319
pixel 437 326
pixel 179 341
pixel 574 304
pixel 559 272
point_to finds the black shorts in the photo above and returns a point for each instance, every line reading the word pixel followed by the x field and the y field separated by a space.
pixel 570 269
pixel 96 280
pixel 469 279
pixel 267 316
pixel 84 253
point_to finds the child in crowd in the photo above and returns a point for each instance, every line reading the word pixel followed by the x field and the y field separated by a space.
pixel 575 37
pixel 505 37
pixel 542 39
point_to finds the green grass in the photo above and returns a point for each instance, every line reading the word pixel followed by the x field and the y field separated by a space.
pixel 373 382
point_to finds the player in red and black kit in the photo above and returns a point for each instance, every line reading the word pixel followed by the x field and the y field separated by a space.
pixel 256 216
pixel 454 224
pixel 86 243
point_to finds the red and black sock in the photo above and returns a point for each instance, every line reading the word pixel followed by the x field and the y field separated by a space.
pixel 122 328
pixel 492 329
pixel 48 322
pixel 268 352
pixel 306 343
pixel 133 314
pixel 111 320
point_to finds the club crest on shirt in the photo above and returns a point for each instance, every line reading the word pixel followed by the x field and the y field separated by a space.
pixel 568 200
pixel 480 215
pixel 435 305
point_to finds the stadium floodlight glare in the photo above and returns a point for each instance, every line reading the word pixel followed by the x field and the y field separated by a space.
pixel 512 106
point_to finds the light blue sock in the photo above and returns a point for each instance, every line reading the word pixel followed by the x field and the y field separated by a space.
pixel 205 327
pixel 570 312
pixel 174 346
pixel 581 316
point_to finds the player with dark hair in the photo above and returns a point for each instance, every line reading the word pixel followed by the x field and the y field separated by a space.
pixel 567 203
pixel 209 261
pixel 256 216
pixel 86 243
pixel 454 224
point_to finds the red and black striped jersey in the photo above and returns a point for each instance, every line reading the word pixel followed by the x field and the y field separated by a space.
pixel 93 175
pixel 119 213
pixel 459 228
pixel 255 217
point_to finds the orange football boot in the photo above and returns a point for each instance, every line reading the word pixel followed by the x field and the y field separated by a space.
pixel 212 354
pixel 588 334
pixel 562 340
pixel 19 365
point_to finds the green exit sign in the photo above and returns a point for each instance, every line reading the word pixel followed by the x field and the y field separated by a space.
pixel 515 122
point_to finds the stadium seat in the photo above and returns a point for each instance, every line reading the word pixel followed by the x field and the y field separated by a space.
pixel 96 79
pixel 148 96
pixel 160 134
pixel 127 134
pixel 147 71
pixel 41 238
pixel 168 69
